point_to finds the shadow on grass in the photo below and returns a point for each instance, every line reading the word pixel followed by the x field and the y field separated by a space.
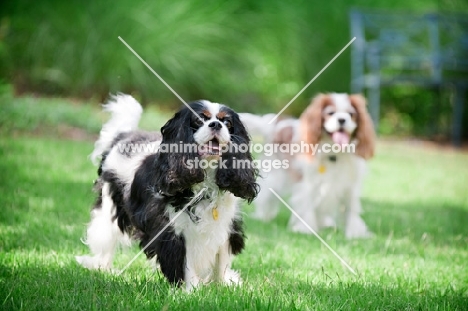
pixel 440 224
pixel 361 295
pixel 74 288
pixel 48 215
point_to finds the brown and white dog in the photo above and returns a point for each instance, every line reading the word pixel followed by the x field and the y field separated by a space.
pixel 325 179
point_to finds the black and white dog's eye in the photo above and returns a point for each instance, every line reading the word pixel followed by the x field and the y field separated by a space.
pixel 351 114
pixel 227 123
pixel 199 122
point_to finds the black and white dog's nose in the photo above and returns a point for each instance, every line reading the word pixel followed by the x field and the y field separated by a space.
pixel 341 121
pixel 215 125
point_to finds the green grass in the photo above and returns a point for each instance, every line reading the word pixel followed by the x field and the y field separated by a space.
pixel 30 114
pixel 59 116
pixel 414 198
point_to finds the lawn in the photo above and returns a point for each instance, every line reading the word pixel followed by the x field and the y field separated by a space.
pixel 415 200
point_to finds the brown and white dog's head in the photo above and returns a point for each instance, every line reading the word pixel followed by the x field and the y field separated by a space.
pixel 340 118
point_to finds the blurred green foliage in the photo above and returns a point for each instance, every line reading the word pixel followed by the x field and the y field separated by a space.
pixel 59 117
pixel 253 55
pixel 45 115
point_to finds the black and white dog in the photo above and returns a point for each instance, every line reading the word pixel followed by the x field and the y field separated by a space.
pixel 184 214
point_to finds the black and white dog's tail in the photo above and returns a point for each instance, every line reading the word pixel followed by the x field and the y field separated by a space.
pixel 125 116
pixel 105 231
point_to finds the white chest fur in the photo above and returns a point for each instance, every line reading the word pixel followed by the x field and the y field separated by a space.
pixel 205 236
pixel 333 174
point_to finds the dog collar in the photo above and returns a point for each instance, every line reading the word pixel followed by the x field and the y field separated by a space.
pixel 191 209
pixel 322 168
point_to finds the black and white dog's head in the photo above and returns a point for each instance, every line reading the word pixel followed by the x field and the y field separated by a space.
pixel 211 132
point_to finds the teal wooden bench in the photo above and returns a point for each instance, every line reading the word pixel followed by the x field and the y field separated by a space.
pixel 426 50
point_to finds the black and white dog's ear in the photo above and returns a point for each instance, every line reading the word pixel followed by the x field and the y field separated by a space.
pixel 238 174
pixel 175 172
pixel 178 128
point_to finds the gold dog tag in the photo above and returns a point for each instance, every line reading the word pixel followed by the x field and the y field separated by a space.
pixel 214 211
pixel 322 169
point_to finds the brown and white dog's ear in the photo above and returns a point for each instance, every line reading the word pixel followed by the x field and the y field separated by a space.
pixel 311 121
pixel 365 133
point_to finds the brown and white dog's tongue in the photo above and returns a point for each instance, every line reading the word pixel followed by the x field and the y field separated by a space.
pixel 341 138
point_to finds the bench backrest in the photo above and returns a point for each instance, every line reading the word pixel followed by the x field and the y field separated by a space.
pixel 424 49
